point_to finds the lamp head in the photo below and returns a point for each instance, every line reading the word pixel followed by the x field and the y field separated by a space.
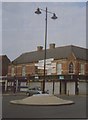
pixel 54 16
pixel 38 11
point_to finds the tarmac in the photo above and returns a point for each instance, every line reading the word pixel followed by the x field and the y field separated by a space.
pixel 41 100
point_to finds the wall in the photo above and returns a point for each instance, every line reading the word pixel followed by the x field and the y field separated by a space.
pixel 30 69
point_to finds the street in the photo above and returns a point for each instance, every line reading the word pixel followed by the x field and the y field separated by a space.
pixel 77 110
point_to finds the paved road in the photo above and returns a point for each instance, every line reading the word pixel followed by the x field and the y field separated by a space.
pixel 77 110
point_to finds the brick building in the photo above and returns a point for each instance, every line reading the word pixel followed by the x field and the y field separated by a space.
pixel 4 63
pixel 67 66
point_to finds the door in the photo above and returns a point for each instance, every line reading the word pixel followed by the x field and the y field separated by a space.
pixel 62 87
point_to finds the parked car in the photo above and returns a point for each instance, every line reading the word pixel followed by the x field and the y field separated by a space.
pixel 33 90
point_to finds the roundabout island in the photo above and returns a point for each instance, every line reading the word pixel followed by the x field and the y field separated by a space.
pixel 42 100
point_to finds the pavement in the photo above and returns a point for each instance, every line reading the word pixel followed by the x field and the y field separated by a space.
pixel 15 94
pixel 42 99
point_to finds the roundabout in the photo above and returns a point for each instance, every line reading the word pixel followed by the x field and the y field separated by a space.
pixel 41 100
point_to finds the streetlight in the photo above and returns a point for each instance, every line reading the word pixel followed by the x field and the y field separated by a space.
pixel 38 11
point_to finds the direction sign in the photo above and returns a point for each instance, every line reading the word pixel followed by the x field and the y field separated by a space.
pixel 42 68
pixel 41 62
pixel 50 66
pixel 47 60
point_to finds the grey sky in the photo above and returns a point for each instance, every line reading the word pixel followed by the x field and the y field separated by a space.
pixel 23 30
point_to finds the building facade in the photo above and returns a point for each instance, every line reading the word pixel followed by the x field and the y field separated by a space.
pixel 66 70
pixel 4 63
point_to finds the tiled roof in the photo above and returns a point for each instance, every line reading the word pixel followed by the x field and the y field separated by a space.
pixel 56 53
pixel 4 58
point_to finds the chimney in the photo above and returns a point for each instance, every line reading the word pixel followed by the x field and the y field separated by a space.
pixel 39 48
pixel 52 45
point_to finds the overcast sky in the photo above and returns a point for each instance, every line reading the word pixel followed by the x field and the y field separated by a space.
pixel 23 30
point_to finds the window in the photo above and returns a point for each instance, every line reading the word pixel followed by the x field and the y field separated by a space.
pixel 71 68
pixel 82 69
pixel 23 70
pixel 59 69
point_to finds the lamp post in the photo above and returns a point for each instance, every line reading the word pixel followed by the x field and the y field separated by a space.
pixel 53 17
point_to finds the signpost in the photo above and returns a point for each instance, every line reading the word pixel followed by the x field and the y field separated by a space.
pixel 50 66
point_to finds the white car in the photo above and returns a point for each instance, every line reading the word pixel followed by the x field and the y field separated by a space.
pixel 33 90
